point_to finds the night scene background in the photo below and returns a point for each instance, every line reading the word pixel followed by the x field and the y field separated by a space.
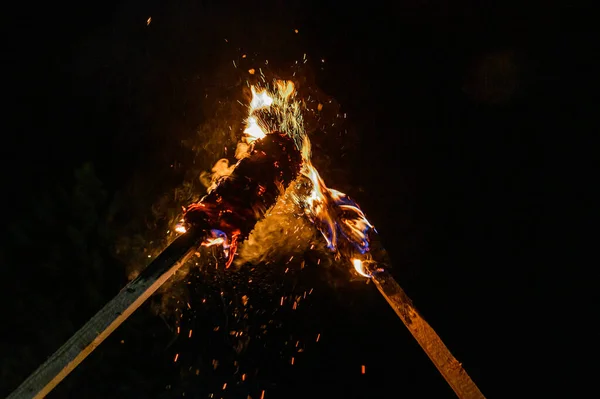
pixel 459 140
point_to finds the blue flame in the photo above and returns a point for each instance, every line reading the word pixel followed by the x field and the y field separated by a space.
pixel 343 219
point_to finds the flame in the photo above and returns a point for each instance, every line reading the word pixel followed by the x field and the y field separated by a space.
pixel 180 226
pixel 360 268
pixel 210 241
pixel 253 130
pixel 260 100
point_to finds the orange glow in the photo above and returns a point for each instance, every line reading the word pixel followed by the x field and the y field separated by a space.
pixel 359 267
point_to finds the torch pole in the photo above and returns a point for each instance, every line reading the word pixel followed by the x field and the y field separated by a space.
pixel 115 312
pixel 452 371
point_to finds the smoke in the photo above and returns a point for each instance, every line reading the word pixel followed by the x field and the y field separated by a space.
pixel 284 232
pixel 220 170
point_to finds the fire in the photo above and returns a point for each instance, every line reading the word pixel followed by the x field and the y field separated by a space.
pixel 339 219
pixel 253 130
pixel 360 269
pixel 209 242
pixel 217 237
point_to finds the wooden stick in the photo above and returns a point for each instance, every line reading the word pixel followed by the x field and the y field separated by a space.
pixel 448 366
pixel 115 312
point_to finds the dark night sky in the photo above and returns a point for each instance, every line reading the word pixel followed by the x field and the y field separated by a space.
pixel 468 160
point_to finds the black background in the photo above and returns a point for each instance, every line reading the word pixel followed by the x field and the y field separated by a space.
pixel 469 160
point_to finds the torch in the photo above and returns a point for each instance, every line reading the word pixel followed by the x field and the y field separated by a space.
pixel 224 216
pixel 279 152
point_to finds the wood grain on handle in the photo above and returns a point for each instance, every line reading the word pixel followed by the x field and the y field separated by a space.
pixel 452 371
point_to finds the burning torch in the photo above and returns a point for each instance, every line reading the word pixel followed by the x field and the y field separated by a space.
pixel 276 153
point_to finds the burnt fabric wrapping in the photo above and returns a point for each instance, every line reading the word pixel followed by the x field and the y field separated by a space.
pixel 241 199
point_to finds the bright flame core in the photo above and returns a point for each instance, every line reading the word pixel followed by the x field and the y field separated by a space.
pixel 359 267
pixel 333 212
